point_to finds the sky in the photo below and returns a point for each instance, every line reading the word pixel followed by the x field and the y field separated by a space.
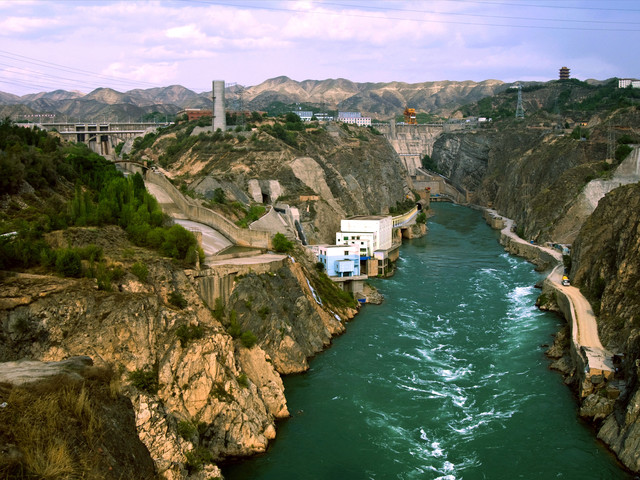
pixel 81 45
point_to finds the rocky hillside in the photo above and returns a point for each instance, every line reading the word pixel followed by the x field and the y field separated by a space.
pixel 534 173
pixel 381 100
pixel 203 380
pixel 327 172
pixel 201 390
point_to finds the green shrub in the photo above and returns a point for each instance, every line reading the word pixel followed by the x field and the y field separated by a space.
pixel 186 333
pixel 177 300
pixel 68 263
pixel 145 380
pixel 248 339
pixel 622 151
pixel 282 244
pixel 186 430
pixel 197 457
pixel 218 309
pixel 243 381
pixel 264 311
pixel 104 277
pixel 140 270
pixel 234 328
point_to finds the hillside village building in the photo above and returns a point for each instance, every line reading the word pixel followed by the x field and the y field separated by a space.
pixel 625 82
pixel 304 115
pixel 354 118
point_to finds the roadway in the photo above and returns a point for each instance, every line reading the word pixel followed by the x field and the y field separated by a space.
pixel 212 240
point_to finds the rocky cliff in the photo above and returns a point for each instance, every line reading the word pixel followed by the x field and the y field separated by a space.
pixel 606 267
pixel 199 395
pixel 533 174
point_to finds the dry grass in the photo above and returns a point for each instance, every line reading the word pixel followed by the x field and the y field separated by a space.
pixel 54 427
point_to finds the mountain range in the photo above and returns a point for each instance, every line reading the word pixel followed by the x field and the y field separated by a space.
pixel 379 100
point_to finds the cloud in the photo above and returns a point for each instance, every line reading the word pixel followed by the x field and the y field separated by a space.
pixel 19 25
pixel 185 32
pixel 149 72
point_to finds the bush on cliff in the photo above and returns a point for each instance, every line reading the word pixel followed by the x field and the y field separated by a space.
pixel 282 244
pixel 145 380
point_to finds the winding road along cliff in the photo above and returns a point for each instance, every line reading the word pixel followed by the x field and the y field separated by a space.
pixel 586 346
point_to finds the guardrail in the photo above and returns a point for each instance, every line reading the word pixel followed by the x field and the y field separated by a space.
pixel 405 218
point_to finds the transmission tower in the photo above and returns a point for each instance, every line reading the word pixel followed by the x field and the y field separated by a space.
pixel 519 109
pixel 610 146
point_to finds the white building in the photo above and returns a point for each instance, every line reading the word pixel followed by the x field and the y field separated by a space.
pixel 343 115
pixel 324 117
pixel 369 232
pixel 339 260
pixel 360 121
pixel 355 118
pixel 625 82
pixel 304 115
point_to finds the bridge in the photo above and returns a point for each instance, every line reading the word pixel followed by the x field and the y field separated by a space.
pixel 101 137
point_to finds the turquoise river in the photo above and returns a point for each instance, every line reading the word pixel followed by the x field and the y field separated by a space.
pixel 447 379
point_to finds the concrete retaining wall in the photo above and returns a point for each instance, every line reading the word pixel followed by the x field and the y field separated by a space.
pixel 196 213
pixel 218 282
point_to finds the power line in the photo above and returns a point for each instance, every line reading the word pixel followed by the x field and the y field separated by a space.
pixel 507 17
pixel 56 66
pixel 418 20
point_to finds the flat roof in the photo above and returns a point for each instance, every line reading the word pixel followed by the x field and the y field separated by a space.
pixel 368 217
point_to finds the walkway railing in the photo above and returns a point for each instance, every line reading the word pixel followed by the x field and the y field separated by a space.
pixel 405 218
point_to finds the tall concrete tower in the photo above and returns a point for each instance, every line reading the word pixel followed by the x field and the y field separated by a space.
pixel 219 118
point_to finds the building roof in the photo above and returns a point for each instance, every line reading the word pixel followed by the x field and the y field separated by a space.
pixel 368 217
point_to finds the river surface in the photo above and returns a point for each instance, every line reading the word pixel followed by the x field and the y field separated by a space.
pixel 447 379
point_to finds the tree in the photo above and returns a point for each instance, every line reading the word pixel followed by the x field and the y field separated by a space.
pixel 282 244
pixel 68 263
pixel 219 196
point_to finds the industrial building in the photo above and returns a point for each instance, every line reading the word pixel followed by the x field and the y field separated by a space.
pixel 194 113
pixel 339 260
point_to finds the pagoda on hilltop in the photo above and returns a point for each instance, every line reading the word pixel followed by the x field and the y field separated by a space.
pixel 564 73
